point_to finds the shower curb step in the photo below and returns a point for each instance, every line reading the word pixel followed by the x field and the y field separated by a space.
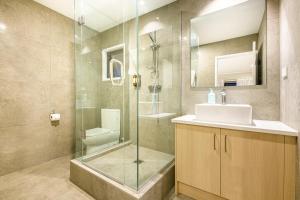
pixel 102 188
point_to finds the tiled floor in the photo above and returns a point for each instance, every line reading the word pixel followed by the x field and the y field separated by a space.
pixel 48 181
pixel 121 166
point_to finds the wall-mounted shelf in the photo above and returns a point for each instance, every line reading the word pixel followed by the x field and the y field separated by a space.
pixel 158 116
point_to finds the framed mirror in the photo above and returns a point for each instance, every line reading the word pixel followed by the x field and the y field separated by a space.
pixel 228 45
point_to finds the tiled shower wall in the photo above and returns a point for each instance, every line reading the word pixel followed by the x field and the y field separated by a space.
pixel 36 77
pixel 158 133
pixel 290 59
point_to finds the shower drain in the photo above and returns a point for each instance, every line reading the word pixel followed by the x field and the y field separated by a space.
pixel 138 161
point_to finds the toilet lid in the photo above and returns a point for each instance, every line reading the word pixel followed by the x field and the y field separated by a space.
pixel 96 132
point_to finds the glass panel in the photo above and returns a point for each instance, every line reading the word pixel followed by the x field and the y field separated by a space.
pixel 120 94
pixel 105 34
pixel 159 94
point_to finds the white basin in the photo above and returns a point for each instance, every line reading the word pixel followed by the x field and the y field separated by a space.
pixel 228 113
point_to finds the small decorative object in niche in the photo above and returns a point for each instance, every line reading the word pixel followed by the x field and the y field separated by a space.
pixel 228 45
pixel 113 60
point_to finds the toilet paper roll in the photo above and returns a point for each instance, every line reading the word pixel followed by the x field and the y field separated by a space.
pixel 54 117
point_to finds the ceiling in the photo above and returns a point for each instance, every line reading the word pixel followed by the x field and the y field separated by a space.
pixel 237 20
pixel 101 15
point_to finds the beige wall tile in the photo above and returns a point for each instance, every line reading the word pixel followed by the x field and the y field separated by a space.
pixel 24 146
pixel 23 103
pixel 23 59
pixel 23 17
pixel 36 76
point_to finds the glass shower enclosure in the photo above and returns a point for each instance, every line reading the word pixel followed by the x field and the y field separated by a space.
pixel 127 59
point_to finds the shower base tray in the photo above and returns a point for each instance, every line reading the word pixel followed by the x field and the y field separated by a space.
pixel 103 188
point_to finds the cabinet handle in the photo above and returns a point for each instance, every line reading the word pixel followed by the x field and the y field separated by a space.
pixel 225 143
pixel 215 141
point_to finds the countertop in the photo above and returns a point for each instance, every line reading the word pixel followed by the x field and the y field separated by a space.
pixel 261 126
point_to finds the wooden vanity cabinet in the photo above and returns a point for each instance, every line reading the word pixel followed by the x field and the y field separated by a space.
pixel 198 157
pixel 252 166
pixel 219 164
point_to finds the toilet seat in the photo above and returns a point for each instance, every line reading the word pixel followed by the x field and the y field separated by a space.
pixel 96 131
pixel 100 137
pixel 97 139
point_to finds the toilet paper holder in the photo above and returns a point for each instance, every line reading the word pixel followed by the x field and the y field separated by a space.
pixel 54 117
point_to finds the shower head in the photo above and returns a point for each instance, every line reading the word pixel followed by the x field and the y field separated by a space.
pixel 152 37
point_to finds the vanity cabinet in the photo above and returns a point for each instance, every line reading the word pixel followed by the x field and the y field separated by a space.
pixel 219 164
pixel 198 157
pixel 252 165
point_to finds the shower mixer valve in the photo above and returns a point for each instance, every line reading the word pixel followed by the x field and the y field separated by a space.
pixel 136 81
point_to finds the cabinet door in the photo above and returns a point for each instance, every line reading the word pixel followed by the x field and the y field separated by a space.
pixel 252 165
pixel 198 157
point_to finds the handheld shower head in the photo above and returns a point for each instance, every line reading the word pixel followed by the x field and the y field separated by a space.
pixel 152 37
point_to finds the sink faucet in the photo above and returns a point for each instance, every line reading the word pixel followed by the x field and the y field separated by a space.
pixel 223 96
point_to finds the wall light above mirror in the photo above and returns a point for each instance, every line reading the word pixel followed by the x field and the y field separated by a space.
pixel 228 45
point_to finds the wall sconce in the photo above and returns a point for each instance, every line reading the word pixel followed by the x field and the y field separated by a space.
pixel 136 80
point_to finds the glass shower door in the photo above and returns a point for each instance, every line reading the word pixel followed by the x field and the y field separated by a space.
pixel 159 98
pixel 106 57
pixel 127 87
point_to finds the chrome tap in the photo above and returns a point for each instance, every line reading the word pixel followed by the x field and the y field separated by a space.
pixel 223 96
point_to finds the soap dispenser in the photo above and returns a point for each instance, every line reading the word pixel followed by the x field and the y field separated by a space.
pixel 211 97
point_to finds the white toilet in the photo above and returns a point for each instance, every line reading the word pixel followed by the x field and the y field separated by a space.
pixel 98 139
